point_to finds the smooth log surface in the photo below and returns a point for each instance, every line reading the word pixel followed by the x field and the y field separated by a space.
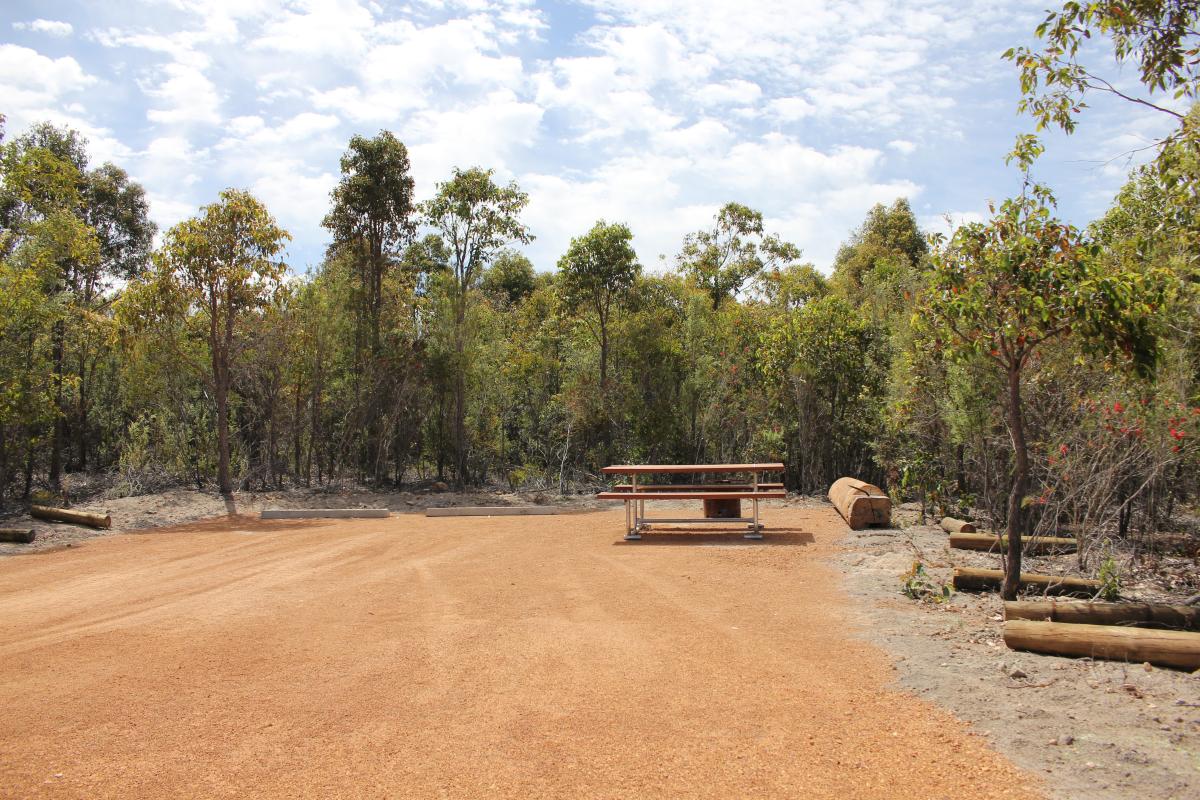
pixel 1180 649
pixel 649 469
pixel 1142 615
pixel 17 535
pixel 967 579
pixel 952 525
pixel 989 542
pixel 75 517
pixel 860 503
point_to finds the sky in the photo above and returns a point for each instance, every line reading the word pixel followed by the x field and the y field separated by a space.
pixel 649 112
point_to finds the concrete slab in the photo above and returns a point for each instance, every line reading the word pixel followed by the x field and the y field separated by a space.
pixel 494 511
pixel 324 513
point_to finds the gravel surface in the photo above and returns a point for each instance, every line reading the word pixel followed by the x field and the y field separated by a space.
pixel 462 657
pixel 1100 730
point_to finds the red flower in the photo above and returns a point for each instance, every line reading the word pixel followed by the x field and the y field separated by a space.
pixel 1062 449
pixel 1117 407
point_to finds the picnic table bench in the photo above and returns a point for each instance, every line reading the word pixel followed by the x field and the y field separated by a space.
pixel 635 495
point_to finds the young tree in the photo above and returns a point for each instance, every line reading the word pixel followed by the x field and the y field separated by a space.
pixel 598 272
pixel 214 270
pixel 475 218
pixel 1001 290
pixel 733 251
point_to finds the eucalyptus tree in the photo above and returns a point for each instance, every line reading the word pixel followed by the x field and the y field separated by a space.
pixel 212 272
pixel 722 258
pixel 373 217
pixel 476 219
pixel 599 271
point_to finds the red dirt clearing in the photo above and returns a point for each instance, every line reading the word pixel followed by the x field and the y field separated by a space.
pixel 459 657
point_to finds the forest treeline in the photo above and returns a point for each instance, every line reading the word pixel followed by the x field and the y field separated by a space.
pixel 1021 365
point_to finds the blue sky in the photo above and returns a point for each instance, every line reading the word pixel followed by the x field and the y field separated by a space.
pixel 650 112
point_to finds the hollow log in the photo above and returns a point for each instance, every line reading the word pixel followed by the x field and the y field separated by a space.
pixel 1180 649
pixel 967 579
pixel 17 535
pixel 952 525
pixel 861 503
pixel 76 517
pixel 989 542
pixel 1141 615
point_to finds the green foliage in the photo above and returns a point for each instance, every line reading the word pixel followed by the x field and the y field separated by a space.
pixel 1109 576
pixel 1159 35
pixel 917 585
pixel 722 258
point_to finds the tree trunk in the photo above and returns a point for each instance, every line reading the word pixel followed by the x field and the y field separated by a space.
pixel 59 429
pixel 460 389
pixel 1016 426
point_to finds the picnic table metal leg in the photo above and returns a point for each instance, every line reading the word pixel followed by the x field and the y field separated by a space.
pixel 755 531
pixel 633 533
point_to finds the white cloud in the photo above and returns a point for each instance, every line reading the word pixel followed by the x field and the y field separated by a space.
pixel 486 135
pixel 49 27
pixel 902 146
pixel 184 94
pixel 731 92
pixel 336 28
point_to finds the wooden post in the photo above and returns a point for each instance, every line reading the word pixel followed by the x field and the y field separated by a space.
pixel 1179 649
pixel 1186 618
pixel 990 542
pixel 75 517
pixel 967 579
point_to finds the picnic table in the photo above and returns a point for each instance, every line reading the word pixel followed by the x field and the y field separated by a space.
pixel 635 494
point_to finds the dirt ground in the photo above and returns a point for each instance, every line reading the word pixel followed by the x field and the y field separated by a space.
pixel 1101 730
pixel 462 657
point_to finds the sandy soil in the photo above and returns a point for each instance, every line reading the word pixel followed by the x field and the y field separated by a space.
pixel 461 657
pixel 1100 730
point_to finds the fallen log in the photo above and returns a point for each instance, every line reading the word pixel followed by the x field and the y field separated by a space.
pixel 1179 649
pixel 75 517
pixel 861 503
pixel 967 579
pixel 990 542
pixel 17 535
pixel 1141 615
pixel 952 525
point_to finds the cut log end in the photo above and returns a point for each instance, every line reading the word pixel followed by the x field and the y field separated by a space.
pixel 952 525
pixel 861 504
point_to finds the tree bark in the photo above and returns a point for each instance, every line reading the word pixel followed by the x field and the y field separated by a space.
pixel 1016 426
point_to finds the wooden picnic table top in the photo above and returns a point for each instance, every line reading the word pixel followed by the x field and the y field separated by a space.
pixel 647 469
